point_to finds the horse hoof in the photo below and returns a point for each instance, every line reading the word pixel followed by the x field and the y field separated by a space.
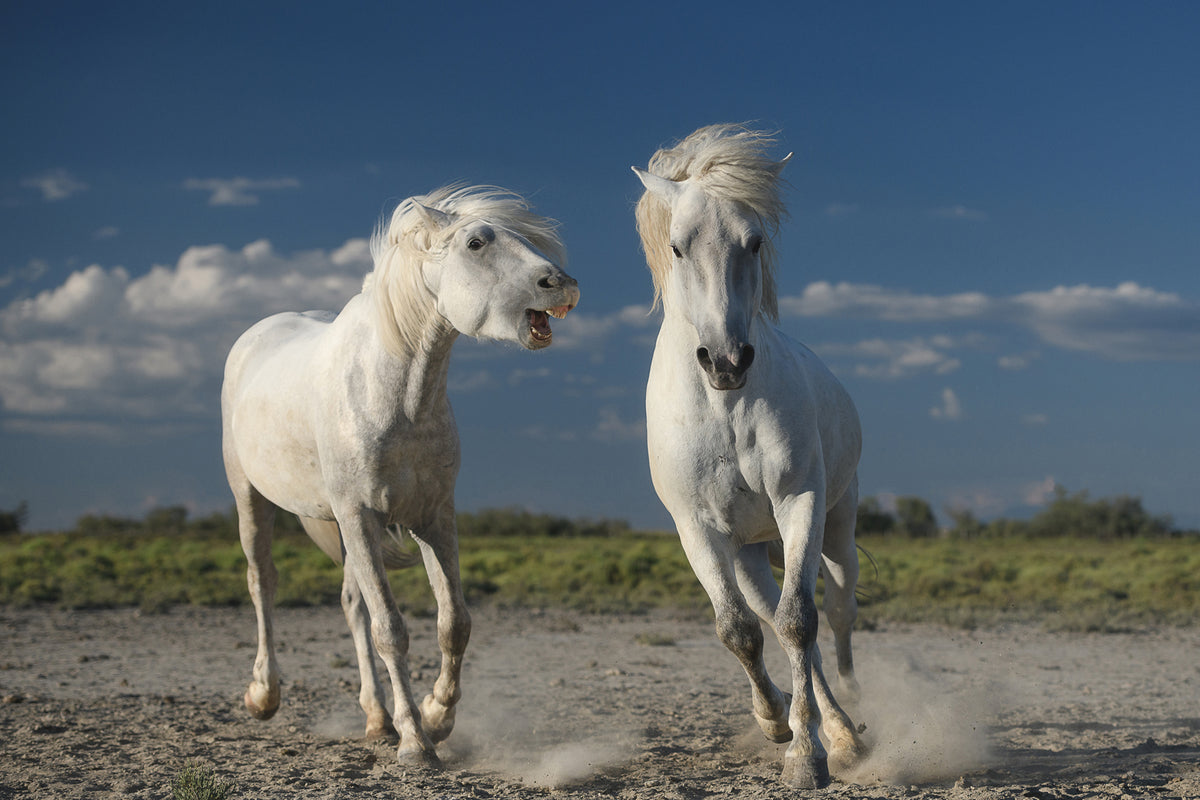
pixel 775 730
pixel 806 772
pixel 437 720
pixel 261 701
pixel 845 755
pixel 417 757
pixel 382 730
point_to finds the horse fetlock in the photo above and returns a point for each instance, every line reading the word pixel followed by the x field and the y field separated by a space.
pixel 261 700
pixel 805 772
pixel 437 719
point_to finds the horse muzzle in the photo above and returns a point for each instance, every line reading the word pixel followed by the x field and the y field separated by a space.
pixel 726 371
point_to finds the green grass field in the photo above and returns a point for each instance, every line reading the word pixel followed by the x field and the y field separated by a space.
pixel 1061 583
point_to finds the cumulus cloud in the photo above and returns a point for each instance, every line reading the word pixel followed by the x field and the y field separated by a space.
pixel 898 358
pixel 583 329
pixel 106 343
pixel 56 184
pixel 1040 492
pixel 1126 323
pixel 824 299
pixel 238 191
pixel 950 408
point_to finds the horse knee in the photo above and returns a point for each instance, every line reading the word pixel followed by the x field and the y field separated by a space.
pixel 391 637
pixel 796 622
pixel 740 632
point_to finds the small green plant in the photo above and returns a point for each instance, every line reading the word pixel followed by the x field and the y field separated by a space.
pixel 197 782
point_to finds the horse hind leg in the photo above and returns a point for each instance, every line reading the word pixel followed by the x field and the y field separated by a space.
pixel 840 567
pixel 371 695
pixel 256 518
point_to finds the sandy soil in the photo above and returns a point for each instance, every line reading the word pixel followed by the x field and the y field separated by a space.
pixel 114 703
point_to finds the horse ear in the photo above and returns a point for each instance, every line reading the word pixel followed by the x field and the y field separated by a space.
pixel 656 185
pixel 433 217
pixel 783 163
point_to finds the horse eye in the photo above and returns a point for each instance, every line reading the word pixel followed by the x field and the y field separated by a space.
pixel 675 250
pixel 754 248
pixel 475 244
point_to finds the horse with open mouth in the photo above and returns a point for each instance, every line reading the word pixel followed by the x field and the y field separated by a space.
pixel 344 420
pixel 753 443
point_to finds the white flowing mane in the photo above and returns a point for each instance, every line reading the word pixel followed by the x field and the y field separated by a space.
pixel 401 300
pixel 729 161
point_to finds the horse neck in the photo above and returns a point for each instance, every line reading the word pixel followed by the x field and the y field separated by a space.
pixel 414 385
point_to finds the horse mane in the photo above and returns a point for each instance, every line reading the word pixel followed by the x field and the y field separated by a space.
pixel 729 161
pixel 401 301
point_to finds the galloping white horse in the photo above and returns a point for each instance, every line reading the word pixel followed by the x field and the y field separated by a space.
pixel 753 443
pixel 344 420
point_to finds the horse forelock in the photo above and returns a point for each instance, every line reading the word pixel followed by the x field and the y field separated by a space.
pixel 402 301
pixel 730 162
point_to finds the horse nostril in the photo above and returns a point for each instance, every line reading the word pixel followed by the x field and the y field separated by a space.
pixel 551 281
pixel 704 358
pixel 747 357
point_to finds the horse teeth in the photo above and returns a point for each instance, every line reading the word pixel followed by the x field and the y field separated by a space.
pixel 558 312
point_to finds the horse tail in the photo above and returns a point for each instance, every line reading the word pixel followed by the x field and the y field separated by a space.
pixel 327 536
pixel 775 553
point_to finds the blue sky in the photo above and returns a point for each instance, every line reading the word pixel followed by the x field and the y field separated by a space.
pixel 993 237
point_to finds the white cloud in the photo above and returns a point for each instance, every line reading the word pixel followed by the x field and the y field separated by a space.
pixel 56 184
pixel 894 358
pixel 960 212
pixel 823 299
pixel 950 409
pixel 1016 361
pixel 1041 492
pixel 33 270
pixel 586 330
pixel 107 232
pixel 611 428
pixel 104 343
pixel 238 191
pixel 1126 323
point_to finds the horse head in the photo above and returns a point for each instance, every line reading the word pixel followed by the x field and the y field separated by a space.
pixel 490 267
pixel 717 277
pixel 707 218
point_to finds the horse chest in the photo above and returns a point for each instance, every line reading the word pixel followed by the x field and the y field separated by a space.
pixel 711 472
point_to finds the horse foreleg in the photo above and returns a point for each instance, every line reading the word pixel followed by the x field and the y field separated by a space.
pixel 256 517
pixel 361 533
pixel 440 552
pixel 712 559
pixel 805 763
pixel 370 695
pixel 761 590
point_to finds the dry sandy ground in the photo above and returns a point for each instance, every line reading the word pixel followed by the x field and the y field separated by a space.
pixel 560 705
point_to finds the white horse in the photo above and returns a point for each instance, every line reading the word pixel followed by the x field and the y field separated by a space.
pixel 344 420
pixel 753 443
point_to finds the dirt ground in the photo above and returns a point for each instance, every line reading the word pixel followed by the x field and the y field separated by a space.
pixel 114 703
